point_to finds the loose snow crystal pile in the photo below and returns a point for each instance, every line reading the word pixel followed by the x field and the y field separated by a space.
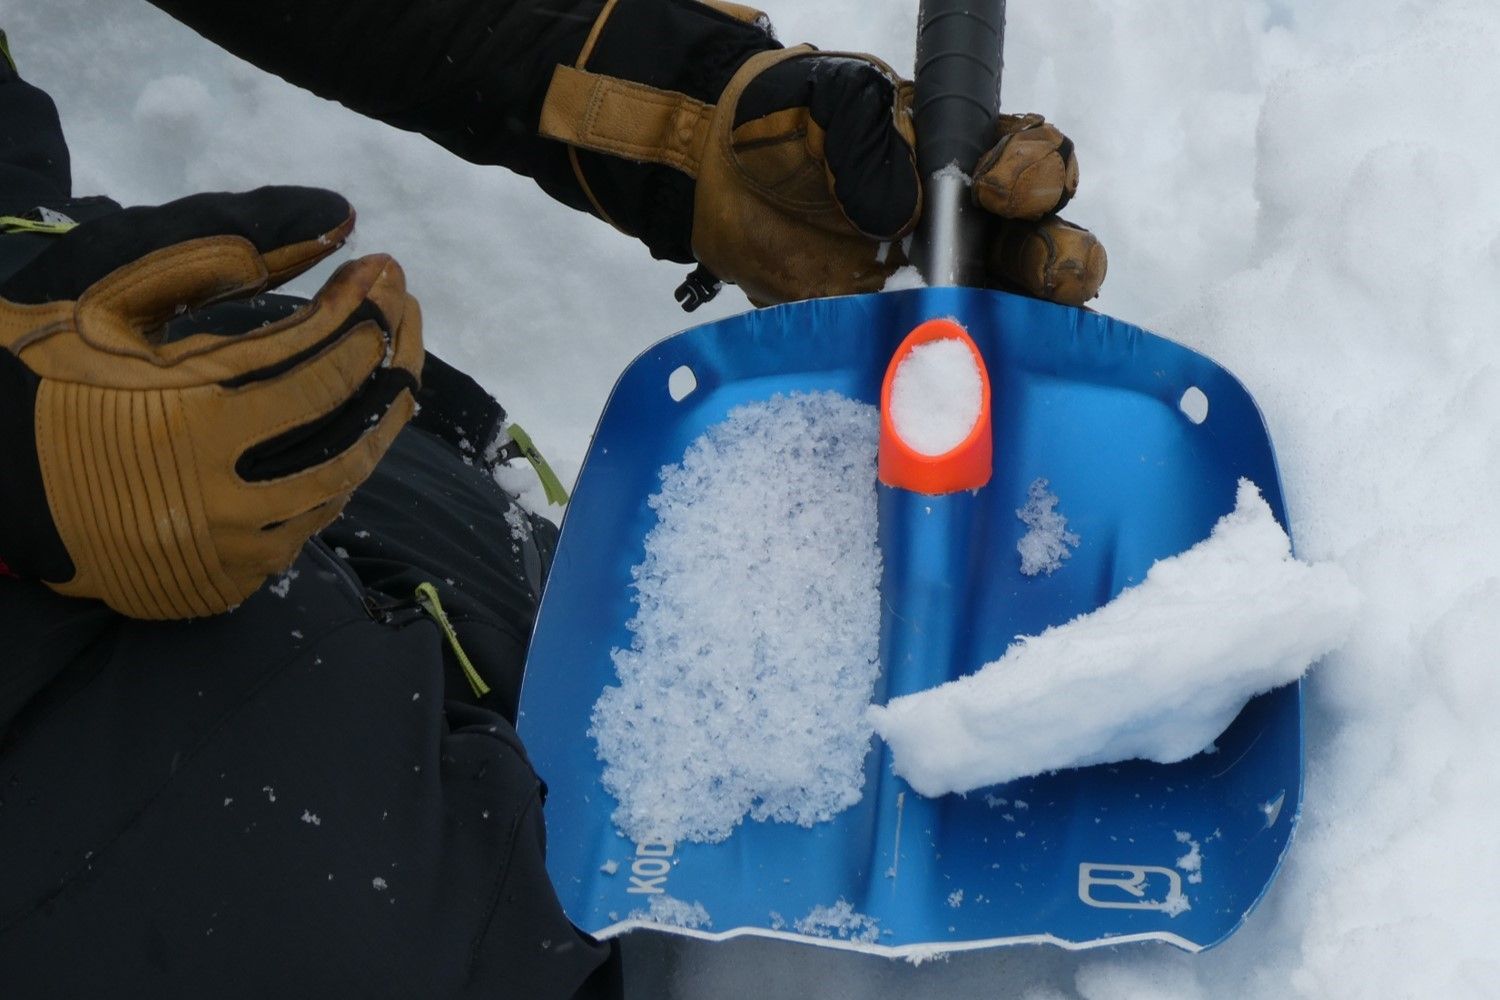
pixel 1047 541
pixel 756 641
pixel 1157 673
pixel 936 396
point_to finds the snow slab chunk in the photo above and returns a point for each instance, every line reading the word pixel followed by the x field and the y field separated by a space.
pixel 1157 673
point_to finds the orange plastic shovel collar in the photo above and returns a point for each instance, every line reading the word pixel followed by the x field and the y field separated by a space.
pixel 965 467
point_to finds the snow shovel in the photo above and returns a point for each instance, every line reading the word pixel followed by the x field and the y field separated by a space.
pixel 1142 440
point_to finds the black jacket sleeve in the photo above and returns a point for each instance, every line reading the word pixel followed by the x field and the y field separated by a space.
pixel 472 76
pixel 469 74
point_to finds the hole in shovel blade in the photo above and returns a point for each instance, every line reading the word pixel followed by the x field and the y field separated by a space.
pixel 681 383
pixel 1194 405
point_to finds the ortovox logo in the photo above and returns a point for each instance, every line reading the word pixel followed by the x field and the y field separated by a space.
pixel 649 870
pixel 1131 887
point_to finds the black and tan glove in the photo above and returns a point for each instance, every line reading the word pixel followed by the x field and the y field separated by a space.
pixel 170 476
pixel 799 168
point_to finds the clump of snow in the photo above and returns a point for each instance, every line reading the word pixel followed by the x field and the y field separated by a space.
pixel 1176 903
pixel 839 921
pixel 1047 541
pixel 936 396
pixel 283 584
pixel 907 276
pixel 610 867
pixel 735 702
pixel 671 912
pixel 1192 861
pixel 1157 673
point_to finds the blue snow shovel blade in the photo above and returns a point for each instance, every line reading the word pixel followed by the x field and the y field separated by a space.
pixel 1134 851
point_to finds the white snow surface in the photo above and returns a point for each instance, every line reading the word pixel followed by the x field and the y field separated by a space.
pixel 936 396
pixel 1304 191
pixel 756 640
pixel 1157 673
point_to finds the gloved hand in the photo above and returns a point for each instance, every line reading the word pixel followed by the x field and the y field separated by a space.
pixel 803 166
pixel 169 479
pixel 810 179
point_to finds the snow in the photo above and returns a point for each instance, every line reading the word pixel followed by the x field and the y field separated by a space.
pixel 1157 673
pixel 1047 541
pixel 674 913
pixel 907 276
pixel 936 396
pixel 1192 861
pixel 729 706
pixel 283 584
pixel 1305 192
pixel 840 920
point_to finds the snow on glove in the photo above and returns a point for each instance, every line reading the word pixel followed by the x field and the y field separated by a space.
pixel 170 478
pixel 803 161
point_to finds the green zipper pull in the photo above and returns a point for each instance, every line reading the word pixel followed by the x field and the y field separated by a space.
pixel 17 224
pixel 428 601
pixel 551 485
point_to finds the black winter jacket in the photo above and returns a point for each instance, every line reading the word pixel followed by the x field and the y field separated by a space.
pixel 303 797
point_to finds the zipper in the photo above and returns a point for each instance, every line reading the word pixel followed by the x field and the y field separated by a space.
pixel 400 611
pixel 427 599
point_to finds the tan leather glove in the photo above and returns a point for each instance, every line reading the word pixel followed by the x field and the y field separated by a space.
pixel 806 180
pixel 810 176
pixel 169 479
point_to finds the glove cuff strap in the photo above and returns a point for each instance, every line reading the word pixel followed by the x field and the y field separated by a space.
pixel 634 143
pixel 625 119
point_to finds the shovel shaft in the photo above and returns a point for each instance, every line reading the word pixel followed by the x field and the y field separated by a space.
pixel 960 47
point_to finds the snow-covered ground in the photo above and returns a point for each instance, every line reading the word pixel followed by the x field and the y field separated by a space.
pixel 1307 192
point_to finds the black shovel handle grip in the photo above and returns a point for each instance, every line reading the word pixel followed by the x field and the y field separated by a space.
pixel 960 54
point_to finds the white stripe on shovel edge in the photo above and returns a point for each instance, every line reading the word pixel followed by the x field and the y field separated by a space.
pixel 913 953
